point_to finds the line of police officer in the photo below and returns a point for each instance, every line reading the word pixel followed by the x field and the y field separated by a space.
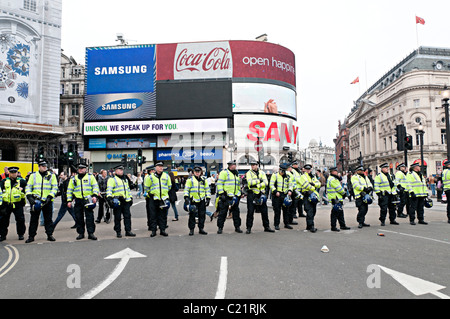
pixel 290 188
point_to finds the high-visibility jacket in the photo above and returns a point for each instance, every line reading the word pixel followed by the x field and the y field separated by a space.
pixel 158 185
pixel 305 184
pixel 297 176
pixel 282 184
pixel 42 187
pixel 400 178
pixel 118 187
pixel 359 183
pixel 382 184
pixel 293 179
pixel 228 182
pixel 256 181
pixel 446 179
pixel 197 190
pixel 418 184
pixel 334 189
pixel 83 188
pixel 1 197
pixel 13 193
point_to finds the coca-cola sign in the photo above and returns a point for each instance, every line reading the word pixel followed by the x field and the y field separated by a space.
pixel 203 60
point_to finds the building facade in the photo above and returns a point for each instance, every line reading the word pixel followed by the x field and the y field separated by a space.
pixel 409 94
pixel 30 46
pixel 342 144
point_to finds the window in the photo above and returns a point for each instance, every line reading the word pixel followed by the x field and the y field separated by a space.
pixel 29 5
pixel 62 110
pixel 443 137
pixel 417 138
pixel 76 89
pixel 385 144
pixel 75 109
pixel 417 103
pixel 418 120
pixel 62 89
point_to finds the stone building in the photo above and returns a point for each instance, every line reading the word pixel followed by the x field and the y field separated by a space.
pixel 408 94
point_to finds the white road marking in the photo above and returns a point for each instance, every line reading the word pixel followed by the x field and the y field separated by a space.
pixel 124 256
pixel 12 252
pixel 421 237
pixel 416 285
pixel 222 286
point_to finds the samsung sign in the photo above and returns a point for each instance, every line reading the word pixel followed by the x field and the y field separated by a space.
pixel 120 70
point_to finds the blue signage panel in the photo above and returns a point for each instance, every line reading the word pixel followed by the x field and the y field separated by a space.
pixel 187 155
pixel 120 69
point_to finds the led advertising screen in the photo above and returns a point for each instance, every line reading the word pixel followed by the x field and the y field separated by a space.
pixel 120 83
pixel 264 98
pixel 193 100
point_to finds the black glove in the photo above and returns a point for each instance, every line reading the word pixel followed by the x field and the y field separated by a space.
pixel 208 201
pixel 366 190
pixel 379 194
pixel 370 189
pixel 412 195
pixel 110 202
pixel 31 200
pixel 48 200
pixel 186 200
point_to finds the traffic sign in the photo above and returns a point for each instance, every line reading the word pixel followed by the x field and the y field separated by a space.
pixel 259 146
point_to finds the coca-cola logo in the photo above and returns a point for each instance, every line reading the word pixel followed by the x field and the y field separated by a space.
pixel 216 59
pixel 203 60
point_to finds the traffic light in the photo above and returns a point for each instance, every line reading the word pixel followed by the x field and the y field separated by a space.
pixel 291 157
pixel 408 142
pixel 139 157
pixel 70 155
pixel 40 155
pixel 400 135
pixel 124 160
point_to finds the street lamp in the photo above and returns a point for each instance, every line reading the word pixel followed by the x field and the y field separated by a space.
pixel 421 133
pixel 445 104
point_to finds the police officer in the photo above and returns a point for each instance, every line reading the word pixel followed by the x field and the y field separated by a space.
pixel 292 208
pixel 446 182
pixel 83 188
pixel 150 170
pixel 197 196
pixel 402 190
pixel 120 199
pixel 281 187
pixel 41 190
pixel 257 183
pixel 298 200
pixel 336 194
pixel 386 191
pixel 157 187
pixel 418 194
pixel 309 185
pixel 361 187
pixel 13 196
pixel 229 193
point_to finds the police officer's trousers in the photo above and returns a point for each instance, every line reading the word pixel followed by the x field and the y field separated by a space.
pixel 277 204
pixel 310 209
pixel 47 212
pixel 80 212
pixel 403 200
pixel 337 215
pixel 201 207
pixel 122 210
pixel 417 205
pixel 157 216
pixel 447 193
pixel 363 208
pixel 385 203
pixel 223 212
pixel 251 207
pixel 5 215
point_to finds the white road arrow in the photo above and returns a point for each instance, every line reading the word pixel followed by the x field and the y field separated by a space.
pixel 124 256
pixel 415 285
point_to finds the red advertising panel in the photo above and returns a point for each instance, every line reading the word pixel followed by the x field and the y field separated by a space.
pixel 225 59
pixel 256 59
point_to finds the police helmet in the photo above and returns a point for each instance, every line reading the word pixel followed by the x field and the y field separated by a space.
pixel 116 203
pixel 234 201
pixel 260 201
pixel 367 199
pixel 193 209
pixel 89 203
pixel 313 198
pixel 338 207
pixel 37 204
pixel 287 201
pixel 428 202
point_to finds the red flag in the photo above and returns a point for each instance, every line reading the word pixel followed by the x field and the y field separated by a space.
pixel 420 20
pixel 356 81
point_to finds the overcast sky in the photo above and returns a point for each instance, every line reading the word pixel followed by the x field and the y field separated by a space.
pixel 334 41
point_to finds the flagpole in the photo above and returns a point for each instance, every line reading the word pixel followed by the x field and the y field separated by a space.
pixel 417 33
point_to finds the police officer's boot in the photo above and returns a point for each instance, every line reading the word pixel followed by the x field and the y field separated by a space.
pixel 191 232
pixel 91 236
pixel 249 231
pixel 51 238
pixel 153 234
pixel 29 240
pixel 269 230
pixel 202 232
pixel 130 234
pixel 238 230
pixel 80 237
pixel 220 231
